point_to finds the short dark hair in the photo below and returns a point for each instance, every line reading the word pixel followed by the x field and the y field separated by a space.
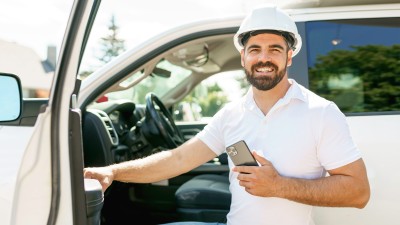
pixel 286 35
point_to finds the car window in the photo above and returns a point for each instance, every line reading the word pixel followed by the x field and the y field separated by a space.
pixel 210 96
pixel 165 76
pixel 355 63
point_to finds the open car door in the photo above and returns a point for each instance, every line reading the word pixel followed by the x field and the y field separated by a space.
pixel 44 191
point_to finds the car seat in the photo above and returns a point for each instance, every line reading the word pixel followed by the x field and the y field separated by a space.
pixel 204 198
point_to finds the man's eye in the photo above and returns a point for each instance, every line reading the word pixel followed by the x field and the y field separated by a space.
pixel 253 50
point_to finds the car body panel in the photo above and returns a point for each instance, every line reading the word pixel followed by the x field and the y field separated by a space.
pixel 380 153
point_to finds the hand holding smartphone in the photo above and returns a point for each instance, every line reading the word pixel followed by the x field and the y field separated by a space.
pixel 241 155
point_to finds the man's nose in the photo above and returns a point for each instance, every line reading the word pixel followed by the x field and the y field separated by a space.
pixel 264 56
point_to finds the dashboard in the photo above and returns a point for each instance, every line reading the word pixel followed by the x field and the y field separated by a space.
pixel 114 132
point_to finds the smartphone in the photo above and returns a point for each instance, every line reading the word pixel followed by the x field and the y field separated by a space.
pixel 240 154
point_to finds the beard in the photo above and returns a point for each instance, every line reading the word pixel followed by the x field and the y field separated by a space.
pixel 265 83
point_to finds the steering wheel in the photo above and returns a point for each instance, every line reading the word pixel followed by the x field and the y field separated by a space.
pixel 160 123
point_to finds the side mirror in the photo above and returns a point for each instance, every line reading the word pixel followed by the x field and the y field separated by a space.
pixel 10 97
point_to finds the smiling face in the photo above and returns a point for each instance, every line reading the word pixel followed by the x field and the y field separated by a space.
pixel 265 59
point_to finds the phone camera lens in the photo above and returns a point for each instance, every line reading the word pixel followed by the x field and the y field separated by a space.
pixel 231 151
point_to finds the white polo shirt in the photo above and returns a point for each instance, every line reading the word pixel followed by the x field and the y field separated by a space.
pixel 303 135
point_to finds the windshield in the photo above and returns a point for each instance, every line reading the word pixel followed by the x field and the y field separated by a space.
pixel 164 77
pixel 123 25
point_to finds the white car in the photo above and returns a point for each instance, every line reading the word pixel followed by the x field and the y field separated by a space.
pixel 160 93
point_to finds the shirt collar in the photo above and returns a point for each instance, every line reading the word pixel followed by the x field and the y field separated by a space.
pixel 295 91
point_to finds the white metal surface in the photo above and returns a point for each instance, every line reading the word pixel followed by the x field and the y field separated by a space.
pixel 12 148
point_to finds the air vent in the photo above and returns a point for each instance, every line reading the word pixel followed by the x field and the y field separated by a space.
pixel 107 125
pixel 111 131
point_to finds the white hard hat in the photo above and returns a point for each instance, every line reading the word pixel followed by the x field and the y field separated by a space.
pixel 267 18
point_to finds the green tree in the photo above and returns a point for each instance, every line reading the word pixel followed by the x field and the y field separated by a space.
pixel 112 46
pixel 209 98
pixel 377 67
pixel 213 101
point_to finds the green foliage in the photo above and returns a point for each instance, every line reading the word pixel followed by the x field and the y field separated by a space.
pixel 210 100
pixel 367 78
pixel 84 74
pixel 213 101
pixel 147 85
pixel 112 46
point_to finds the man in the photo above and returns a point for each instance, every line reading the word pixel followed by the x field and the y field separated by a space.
pixel 297 137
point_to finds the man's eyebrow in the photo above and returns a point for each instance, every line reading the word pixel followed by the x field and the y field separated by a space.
pixel 277 46
pixel 254 46
pixel 270 46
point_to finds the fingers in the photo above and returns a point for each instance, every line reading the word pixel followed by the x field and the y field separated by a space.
pixel 91 174
pixel 103 175
pixel 244 176
pixel 249 169
pixel 243 169
pixel 87 174
pixel 258 180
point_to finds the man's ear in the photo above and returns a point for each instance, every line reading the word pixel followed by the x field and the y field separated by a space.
pixel 242 57
pixel 290 57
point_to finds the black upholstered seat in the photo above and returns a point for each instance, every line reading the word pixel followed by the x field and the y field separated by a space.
pixel 204 198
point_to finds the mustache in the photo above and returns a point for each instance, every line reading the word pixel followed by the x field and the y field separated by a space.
pixel 266 64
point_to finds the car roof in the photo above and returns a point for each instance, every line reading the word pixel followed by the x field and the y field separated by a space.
pixel 295 4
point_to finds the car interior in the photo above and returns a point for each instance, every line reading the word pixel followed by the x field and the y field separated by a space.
pixel 136 117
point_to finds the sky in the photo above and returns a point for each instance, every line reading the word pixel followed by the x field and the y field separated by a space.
pixel 40 23
pixel 28 22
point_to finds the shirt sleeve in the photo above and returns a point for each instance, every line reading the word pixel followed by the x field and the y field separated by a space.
pixel 212 134
pixel 336 147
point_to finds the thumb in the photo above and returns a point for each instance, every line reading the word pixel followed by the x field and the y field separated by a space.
pixel 105 183
pixel 260 159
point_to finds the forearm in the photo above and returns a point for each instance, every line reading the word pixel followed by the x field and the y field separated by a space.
pixel 347 186
pixel 165 164
pixel 160 166
pixel 334 191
